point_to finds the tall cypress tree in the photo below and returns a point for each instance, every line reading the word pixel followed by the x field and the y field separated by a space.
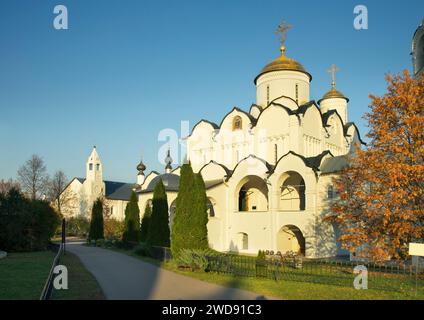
pixel 180 232
pixel 158 234
pixel 96 224
pixel 145 222
pixel 189 230
pixel 200 218
pixel 132 220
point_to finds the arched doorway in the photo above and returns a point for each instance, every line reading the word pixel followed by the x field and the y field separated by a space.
pixel 172 208
pixel 292 192
pixel 290 239
pixel 252 195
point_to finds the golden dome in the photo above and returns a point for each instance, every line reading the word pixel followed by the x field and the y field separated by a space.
pixel 283 63
pixel 333 93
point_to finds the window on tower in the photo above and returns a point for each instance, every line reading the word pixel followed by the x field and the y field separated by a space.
pixel 275 153
pixel 237 124
pixel 330 192
pixel 90 166
pixel 297 93
pixel 97 167
pixel 267 95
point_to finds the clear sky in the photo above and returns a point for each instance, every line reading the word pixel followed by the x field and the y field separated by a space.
pixel 124 70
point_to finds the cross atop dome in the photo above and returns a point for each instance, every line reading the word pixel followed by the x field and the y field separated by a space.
pixel 281 32
pixel 333 70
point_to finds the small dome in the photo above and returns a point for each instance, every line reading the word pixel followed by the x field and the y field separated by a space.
pixel 141 166
pixel 333 93
pixel 283 63
pixel 170 181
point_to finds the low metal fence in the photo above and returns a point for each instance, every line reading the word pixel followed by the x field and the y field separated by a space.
pixel 48 286
pixel 390 277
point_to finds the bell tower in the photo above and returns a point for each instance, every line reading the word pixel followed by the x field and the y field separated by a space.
pixel 94 175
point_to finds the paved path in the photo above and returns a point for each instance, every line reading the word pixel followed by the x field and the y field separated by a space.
pixel 125 277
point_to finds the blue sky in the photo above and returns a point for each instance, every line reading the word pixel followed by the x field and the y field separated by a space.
pixel 124 70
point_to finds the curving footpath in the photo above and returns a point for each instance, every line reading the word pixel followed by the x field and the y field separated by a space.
pixel 125 277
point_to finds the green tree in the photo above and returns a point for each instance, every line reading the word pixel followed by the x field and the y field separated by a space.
pixel 158 234
pixel 199 218
pixel 132 220
pixel 96 224
pixel 25 225
pixel 189 229
pixel 145 222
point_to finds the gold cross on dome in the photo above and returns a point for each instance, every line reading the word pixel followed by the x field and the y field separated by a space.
pixel 282 30
pixel 333 71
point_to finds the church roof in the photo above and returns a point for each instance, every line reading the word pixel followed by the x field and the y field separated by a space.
pixel 283 63
pixel 119 190
pixel 332 94
pixel 171 182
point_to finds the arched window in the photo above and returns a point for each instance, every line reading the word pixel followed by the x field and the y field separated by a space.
pixel 210 209
pixel 97 167
pixel 243 241
pixel 237 123
pixel 330 192
pixel 90 166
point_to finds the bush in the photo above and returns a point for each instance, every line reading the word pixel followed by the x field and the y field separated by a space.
pixel 77 226
pixel 100 242
pixel 195 259
pixel 113 228
pixel 124 245
pixel 143 249
pixel 25 225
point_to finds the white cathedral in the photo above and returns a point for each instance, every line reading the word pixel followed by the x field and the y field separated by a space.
pixel 268 171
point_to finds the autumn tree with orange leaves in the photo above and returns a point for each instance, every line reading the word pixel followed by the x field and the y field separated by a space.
pixel 379 210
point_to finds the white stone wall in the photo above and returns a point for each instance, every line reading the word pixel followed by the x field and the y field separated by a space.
pixel 282 83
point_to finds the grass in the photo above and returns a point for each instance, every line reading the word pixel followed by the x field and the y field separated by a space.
pixel 288 289
pixel 81 283
pixel 23 275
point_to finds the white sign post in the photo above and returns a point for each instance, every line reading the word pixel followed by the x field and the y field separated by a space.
pixel 416 250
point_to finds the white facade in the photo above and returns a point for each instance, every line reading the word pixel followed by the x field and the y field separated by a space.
pixel 268 172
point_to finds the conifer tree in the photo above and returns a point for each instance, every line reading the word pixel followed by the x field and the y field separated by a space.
pixel 132 220
pixel 200 218
pixel 189 229
pixel 180 232
pixel 145 222
pixel 96 224
pixel 158 234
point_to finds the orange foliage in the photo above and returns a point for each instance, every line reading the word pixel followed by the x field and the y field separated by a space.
pixel 380 209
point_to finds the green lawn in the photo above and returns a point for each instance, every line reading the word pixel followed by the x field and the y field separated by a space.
pixel 22 275
pixel 294 290
pixel 81 283
pixel 286 289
